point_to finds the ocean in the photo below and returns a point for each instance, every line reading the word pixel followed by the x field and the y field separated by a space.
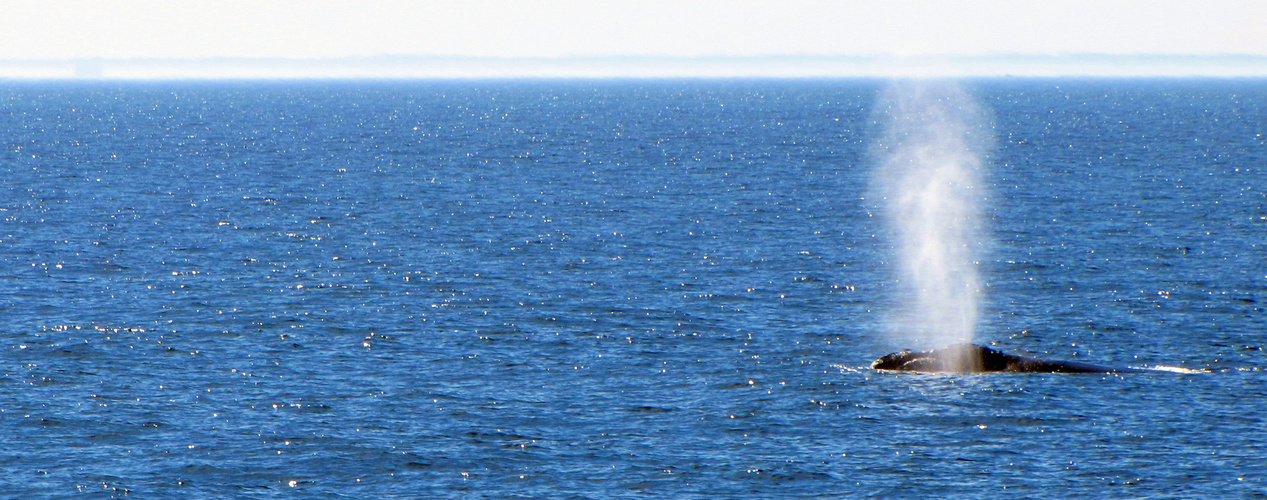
pixel 614 289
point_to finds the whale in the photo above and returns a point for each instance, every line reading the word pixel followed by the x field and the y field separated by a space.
pixel 972 358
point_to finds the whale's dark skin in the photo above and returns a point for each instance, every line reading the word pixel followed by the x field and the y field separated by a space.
pixel 972 358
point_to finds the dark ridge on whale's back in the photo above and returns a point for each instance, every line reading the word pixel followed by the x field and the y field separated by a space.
pixel 972 358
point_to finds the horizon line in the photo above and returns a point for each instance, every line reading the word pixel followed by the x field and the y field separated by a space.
pixel 451 67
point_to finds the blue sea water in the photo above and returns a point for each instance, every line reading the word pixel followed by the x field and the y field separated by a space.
pixel 613 289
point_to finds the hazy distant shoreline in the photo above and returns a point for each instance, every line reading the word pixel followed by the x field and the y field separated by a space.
pixel 443 67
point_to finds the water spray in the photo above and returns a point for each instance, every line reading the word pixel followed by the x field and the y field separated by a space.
pixel 928 180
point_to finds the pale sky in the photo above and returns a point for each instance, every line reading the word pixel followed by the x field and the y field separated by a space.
pixel 315 29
